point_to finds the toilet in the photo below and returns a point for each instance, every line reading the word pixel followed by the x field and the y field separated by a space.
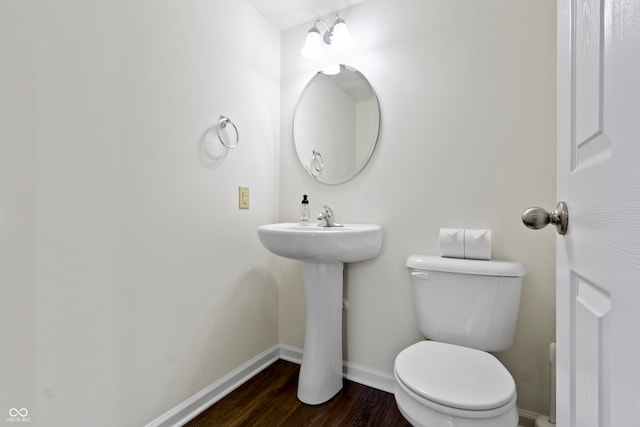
pixel 465 308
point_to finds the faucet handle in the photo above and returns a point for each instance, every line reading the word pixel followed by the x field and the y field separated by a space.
pixel 327 210
pixel 327 216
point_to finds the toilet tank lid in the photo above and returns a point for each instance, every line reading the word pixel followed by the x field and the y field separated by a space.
pixel 466 266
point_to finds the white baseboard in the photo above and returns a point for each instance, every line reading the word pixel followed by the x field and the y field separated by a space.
pixel 351 371
pixel 527 418
pixel 368 376
pixel 192 407
pixel 290 353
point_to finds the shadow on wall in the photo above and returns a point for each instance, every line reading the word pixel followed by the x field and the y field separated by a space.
pixel 211 152
pixel 248 308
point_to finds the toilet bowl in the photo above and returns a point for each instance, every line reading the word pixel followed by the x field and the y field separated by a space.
pixel 439 384
pixel 465 308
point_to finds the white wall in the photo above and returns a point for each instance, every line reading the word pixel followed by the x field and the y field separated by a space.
pixel 467 96
pixel 129 278
pixel 17 205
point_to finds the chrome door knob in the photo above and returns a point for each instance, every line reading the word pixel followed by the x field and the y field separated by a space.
pixel 537 218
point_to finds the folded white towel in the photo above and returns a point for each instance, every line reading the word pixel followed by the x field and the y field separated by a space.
pixel 477 244
pixel 452 242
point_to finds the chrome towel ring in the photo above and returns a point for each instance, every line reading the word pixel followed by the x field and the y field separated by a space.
pixel 222 123
pixel 317 163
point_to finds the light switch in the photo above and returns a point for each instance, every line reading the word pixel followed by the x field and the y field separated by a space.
pixel 243 197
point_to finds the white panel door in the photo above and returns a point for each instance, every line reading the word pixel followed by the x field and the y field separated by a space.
pixel 598 265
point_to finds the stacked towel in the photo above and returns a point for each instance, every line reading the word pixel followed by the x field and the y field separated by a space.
pixel 465 243
pixel 452 242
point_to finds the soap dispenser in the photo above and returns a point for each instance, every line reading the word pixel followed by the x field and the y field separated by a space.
pixel 304 210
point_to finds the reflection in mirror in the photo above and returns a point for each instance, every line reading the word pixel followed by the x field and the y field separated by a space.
pixel 317 163
pixel 336 124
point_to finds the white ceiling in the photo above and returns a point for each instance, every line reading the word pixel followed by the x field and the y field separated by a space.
pixel 285 14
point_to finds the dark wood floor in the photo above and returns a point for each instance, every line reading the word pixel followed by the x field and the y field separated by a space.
pixel 269 399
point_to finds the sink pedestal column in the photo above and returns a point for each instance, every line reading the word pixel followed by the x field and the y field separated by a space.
pixel 321 369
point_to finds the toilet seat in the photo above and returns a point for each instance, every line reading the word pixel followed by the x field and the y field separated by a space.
pixel 455 377
pixel 418 410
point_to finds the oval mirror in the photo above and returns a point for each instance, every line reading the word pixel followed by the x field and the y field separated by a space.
pixel 336 124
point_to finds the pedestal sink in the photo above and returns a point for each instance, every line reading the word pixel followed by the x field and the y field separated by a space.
pixel 322 252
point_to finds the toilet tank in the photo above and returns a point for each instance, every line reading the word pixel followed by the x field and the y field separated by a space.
pixel 473 303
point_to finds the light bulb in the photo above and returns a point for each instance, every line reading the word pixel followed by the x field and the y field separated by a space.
pixel 313 45
pixel 341 36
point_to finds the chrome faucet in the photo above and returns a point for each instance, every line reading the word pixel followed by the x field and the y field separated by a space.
pixel 327 217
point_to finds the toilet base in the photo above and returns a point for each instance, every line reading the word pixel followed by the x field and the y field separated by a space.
pixel 421 415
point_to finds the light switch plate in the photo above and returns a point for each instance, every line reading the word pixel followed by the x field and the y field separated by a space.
pixel 243 197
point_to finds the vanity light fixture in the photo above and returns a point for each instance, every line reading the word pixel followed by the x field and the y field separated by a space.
pixel 337 35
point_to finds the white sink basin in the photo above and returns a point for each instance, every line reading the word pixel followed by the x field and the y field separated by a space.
pixel 351 243
pixel 322 251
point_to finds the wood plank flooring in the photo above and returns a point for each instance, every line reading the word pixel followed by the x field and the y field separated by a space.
pixel 269 399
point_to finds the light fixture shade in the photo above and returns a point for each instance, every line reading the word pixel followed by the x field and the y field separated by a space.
pixel 313 45
pixel 341 35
